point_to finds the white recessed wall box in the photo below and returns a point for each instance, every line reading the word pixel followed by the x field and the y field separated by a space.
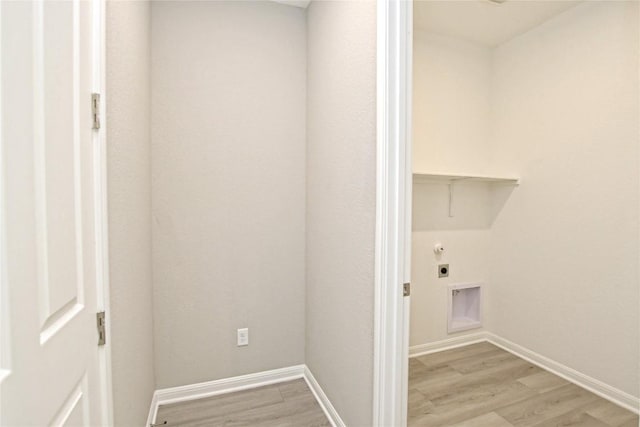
pixel 465 307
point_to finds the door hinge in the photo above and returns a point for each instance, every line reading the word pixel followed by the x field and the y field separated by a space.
pixel 95 110
pixel 102 331
pixel 406 289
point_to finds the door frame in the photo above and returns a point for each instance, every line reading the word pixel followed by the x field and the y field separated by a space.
pixel 393 211
pixel 101 209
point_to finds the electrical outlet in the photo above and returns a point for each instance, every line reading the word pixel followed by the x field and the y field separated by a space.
pixel 243 337
pixel 443 270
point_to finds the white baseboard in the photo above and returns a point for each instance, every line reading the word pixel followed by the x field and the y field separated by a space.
pixel 323 400
pixel 595 386
pixel 153 410
pixel 228 385
pixel 449 343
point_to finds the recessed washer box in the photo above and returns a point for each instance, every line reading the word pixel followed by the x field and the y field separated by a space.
pixel 465 306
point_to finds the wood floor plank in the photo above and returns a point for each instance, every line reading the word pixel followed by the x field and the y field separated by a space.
pixel 573 419
pixel 291 389
pixel 276 415
pixel 490 419
pixel 215 406
pixel 613 415
pixel 309 419
pixel 473 403
pixel 443 377
pixel 420 371
pixel 474 396
pixel 469 405
pixel 543 381
pixel 546 406
pixel 418 405
pixel 289 413
pixel 487 360
pixel 284 404
pixel 508 371
pixel 630 423
pixel 448 356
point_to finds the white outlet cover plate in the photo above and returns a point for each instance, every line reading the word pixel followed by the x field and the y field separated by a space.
pixel 243 337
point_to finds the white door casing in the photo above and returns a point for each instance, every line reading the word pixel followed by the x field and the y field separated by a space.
pixel 52 273
pixel 393 212
pixel 405 88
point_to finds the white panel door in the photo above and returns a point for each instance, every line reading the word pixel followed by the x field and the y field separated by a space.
pixel 50 363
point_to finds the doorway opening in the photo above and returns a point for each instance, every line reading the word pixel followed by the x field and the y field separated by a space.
pixel 521 141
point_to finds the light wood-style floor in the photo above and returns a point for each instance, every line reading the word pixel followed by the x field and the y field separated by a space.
pixel 284 404
pixel 481 385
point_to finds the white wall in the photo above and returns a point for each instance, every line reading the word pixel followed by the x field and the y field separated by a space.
pixel 341 147
pixel 228 179
pixel 129 203
pixel 451 104
pixel 451 126
pixel 562 248
pixel 565 247
pixel 465 238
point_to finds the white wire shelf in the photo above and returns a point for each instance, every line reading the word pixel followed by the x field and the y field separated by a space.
pixel 455 178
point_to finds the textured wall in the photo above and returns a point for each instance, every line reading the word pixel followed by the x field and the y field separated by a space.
pixel 561 249
pixel 228 156
pixel 565 246
pixel 341 147
pixel 451 87
pixel 129 181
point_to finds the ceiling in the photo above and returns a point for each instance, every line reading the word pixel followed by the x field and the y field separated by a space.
pixel 482 21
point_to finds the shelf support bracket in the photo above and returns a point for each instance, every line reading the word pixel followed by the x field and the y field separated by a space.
pixel 450 199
